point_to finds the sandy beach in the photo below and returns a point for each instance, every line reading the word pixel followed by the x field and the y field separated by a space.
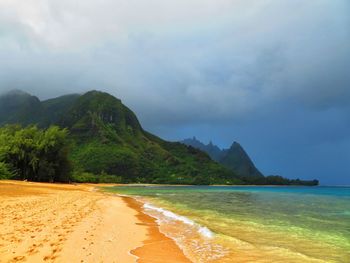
pixel 42 222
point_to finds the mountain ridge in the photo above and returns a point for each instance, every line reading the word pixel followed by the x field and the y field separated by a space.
pixel 107 138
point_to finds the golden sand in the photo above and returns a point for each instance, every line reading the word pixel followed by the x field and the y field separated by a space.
pixel 75 223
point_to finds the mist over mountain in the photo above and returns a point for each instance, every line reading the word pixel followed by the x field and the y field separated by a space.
pixel 17 106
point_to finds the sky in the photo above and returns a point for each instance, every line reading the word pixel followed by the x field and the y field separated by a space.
pixel 273 75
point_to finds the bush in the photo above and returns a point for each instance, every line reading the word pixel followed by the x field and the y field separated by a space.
pixel 36 154
pixel 85 177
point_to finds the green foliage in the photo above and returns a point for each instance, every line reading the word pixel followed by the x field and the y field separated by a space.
pixel 35 154
pixel 278 180
pixel 95 157
pixel 85 177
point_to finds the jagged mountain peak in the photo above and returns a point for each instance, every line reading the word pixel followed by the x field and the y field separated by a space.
pixel 234 158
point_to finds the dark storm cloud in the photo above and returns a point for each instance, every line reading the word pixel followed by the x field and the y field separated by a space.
pixel 239 67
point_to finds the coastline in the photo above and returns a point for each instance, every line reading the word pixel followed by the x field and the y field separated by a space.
pixel 42 222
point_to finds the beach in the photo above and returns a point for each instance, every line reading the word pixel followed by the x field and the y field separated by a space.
pixel 41 222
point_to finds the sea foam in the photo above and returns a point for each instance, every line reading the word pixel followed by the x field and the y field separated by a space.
pixel 168 215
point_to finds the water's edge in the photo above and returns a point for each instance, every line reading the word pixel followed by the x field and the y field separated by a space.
pixel 155 234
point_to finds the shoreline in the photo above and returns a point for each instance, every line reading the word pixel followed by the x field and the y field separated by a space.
pixel 42 222
pixel 158 243
pixel 221 185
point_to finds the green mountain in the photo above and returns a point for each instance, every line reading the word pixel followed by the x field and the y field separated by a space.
pixel 108 141
pixel 235 158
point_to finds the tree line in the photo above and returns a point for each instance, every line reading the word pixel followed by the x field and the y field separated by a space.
pixel 43 155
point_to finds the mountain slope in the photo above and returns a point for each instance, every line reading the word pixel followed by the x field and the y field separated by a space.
pixel 236 159
pixel 55 108
pixel 109 138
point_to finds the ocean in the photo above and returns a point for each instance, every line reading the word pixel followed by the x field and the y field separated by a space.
pixel 251 223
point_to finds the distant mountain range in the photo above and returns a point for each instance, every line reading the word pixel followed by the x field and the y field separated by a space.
pixel 108 139
pixel 238 161
pixel 235 158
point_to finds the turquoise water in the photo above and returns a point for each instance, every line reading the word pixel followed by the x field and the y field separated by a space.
pixel 245 224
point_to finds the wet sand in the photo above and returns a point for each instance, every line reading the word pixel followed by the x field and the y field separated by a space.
pixel 157 247
pixel 74 223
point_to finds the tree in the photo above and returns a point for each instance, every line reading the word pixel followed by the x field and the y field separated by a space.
pixel 35 154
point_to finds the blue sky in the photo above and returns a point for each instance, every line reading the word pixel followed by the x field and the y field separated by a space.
pixel 273 75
